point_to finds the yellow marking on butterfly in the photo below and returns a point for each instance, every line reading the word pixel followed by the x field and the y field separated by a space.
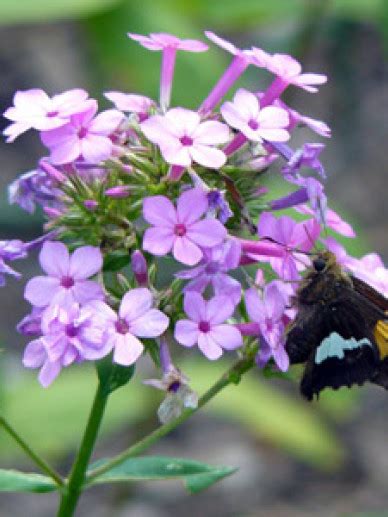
pixel 381 336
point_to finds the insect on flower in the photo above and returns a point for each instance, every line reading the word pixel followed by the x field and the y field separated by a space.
pixel 340 331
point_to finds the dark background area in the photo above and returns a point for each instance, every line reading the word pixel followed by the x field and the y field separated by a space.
pixel 325 459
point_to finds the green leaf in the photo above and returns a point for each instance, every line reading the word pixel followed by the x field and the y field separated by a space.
pixel 113 376
pixel 27 11
pixel 195 475
pixel 116 261
pixel 15 481
pixel 280 419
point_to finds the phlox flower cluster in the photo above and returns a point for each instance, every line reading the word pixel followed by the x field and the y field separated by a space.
pixel 159 232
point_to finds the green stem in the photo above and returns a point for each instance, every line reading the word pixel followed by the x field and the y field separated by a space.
pixel 233 375
pixel 44 467
pixel 77 475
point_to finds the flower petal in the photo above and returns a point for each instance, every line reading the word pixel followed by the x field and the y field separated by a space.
pixel 194 306
pixel 49 372
pixel 207 233
pixel 208 156
pixel 127 349
pixel 227 336
pixel 54 259
pixel 159 211
pixel 86 291
pixel 185 251
pixel 135 303
pixel 96 148
pixel 34 354
pixel 209 347
pixel 40 290
pixel 219 309
pixel 152 324
pixel 158 240
pixel 85 262
pixel 191 205
pixel 186 332
pixel 211 132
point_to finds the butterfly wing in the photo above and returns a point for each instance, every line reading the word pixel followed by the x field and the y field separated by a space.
pixel 346 323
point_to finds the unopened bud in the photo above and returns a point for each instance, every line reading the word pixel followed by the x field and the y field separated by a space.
pixel 118 192
pixel 139 268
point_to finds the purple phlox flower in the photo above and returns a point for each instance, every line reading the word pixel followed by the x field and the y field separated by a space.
pixel 31 188
pixel 333 220
pixel 241 60
pixel 268 312
pixel 169 45
pixel 180 229
pixel 30 325
pixel 139 268
pixel 10 250
pixel 175 384
pixel 212 270
pixel 85 136
pixel 179 395
pixel 206 325
pixel 218 205
pixel 129 102
pixel 256 123
pixel 135 318
pixel 294 237
pixel 307 156
pixel 296 119
pixel 288 71
pixel 67 276
pixel 183 138
pixel 35 109
pixel 70 334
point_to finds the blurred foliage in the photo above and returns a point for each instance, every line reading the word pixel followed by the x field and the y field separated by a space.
pixel 53 419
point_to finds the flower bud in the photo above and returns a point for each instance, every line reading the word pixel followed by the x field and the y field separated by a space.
pixel 139 268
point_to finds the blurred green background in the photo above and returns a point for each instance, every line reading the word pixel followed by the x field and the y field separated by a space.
pixel 296 459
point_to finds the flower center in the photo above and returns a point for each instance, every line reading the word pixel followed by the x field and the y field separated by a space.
pixel 212 268
pixel 122 326
pixel 204 326
pixel 186 140
pixel 174 387
pixel 82 132
pixel 180 229
pixel 67 282
pixel 51 114
pixel 71 330
pixel 253 124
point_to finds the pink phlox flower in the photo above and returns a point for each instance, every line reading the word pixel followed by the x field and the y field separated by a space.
pixel 294 237
pixel 183 138
pixel 180 229
pixel 70 334
pixel 206 325
pixel 371 269
pixel 179 395
pixel 268 311
pixel 287 69
pixel 129 102
pixel 213 268
pixel 67 276
pixel 256 124
pixel 333 220
pixel 135 318
pixel 296 118
pixel 161 40
pixel 85 136
pixel 35 109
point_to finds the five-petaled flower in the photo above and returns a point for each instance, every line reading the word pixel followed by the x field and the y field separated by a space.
pixel 206 325
pixel 183 138
pixel 135 318
pixel 256 124
pixel 67 276
pixel 180 229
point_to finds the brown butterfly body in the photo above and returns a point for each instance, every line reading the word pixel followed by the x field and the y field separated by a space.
pixel 340 331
